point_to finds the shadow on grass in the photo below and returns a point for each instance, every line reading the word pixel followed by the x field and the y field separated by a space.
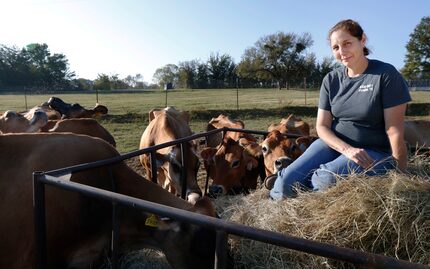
pixel 255 113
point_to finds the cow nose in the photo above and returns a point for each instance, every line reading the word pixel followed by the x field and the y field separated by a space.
pixel 282 163
pixel 215 191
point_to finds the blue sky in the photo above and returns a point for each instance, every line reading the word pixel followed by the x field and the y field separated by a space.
pixel 127 37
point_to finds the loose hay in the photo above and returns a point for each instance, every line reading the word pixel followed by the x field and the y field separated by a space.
pixel 144 259
pixel 387 215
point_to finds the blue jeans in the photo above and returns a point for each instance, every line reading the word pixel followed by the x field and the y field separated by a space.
pixel 319 167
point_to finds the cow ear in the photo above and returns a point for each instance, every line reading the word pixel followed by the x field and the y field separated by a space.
pixel 205 206
pixel 251 163
pixel 100 110
pixel 303 142
pixel 251 148
pixel 208 155
pixel 153 113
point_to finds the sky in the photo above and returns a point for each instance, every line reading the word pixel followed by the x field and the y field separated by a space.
pixel 127 37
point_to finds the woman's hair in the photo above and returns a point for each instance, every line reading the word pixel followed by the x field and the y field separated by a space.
pixel 353 29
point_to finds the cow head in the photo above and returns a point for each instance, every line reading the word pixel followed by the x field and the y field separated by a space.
pixel 279 151
pixel 75 110
pixel 32 121
pixel 232 165
pixel 291 125
pixel 169 166
pixel 185 246
pixel 220 122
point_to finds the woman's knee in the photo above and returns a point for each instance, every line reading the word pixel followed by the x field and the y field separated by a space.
pixel 323 179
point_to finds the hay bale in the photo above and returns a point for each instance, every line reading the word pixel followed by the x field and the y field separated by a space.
pixel 387 215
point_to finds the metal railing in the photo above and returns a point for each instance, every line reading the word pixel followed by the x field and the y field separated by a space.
pixel 223 228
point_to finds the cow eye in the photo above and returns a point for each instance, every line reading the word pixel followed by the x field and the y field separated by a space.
pixel 235 164
pixel 264 149
pixel 293 147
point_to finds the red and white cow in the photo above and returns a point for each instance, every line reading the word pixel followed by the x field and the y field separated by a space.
pixel 78 227
pixel 166 125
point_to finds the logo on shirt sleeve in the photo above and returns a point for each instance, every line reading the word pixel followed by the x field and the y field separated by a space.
pixel 365 88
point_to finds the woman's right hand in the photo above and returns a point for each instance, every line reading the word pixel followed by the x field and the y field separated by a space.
pixel 359 156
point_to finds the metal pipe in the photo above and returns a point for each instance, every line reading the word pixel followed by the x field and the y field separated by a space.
pixel 183 172
pixel 296 243
pixel 221 250
pixel 39 220
pixel 154 176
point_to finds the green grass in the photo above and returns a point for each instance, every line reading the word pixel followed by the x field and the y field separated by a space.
pixel 258 108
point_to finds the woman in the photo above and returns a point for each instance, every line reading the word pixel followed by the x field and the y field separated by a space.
pixel 360 119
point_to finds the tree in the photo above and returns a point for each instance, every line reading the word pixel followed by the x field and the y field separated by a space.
pixel 279 57
pixel 102 82
pixel 221 71
pixel 48 70
pixel 202 79
pixel 417 63
pixel 166 74
pixel 187 74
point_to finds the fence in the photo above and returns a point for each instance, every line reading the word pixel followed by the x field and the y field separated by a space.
pixel 223 228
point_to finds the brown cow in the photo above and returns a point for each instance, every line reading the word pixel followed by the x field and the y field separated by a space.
pixel 79 126
pixel 224 121
pixel 232 162
pixel 291 125
pixel 232 166
pixel 167 125
pixel 79 228
pixel 279 151
pixel 31 121
pixel 75 110
pixel 417 133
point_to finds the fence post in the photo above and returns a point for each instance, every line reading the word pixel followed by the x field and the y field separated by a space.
pixel 304 83
pixel 237 94
pixel 39 221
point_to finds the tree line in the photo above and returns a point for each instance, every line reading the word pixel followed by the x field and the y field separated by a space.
pixel 276 60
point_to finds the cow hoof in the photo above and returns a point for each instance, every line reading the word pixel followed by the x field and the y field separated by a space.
pixel 270 181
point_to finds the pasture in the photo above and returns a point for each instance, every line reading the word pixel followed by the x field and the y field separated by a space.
pixel 127 117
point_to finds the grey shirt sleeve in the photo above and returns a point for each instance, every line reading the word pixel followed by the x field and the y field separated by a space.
pixel 395 90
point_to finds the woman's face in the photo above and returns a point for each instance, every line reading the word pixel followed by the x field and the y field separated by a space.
pixel 346 48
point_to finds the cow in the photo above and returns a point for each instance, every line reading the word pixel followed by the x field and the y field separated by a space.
pixel 166 125
pixel 224 121
pixel 36 120
pixel 291 125
pixel 68 111
pixel 232 165
pixel 79 126
pixel 50 112
pixel 232 161
pixel 417 133
pixel 78 228
pixel 14 122
pixel 279 150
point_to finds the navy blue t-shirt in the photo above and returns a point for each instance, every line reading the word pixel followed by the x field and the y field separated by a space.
pixel 357 104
